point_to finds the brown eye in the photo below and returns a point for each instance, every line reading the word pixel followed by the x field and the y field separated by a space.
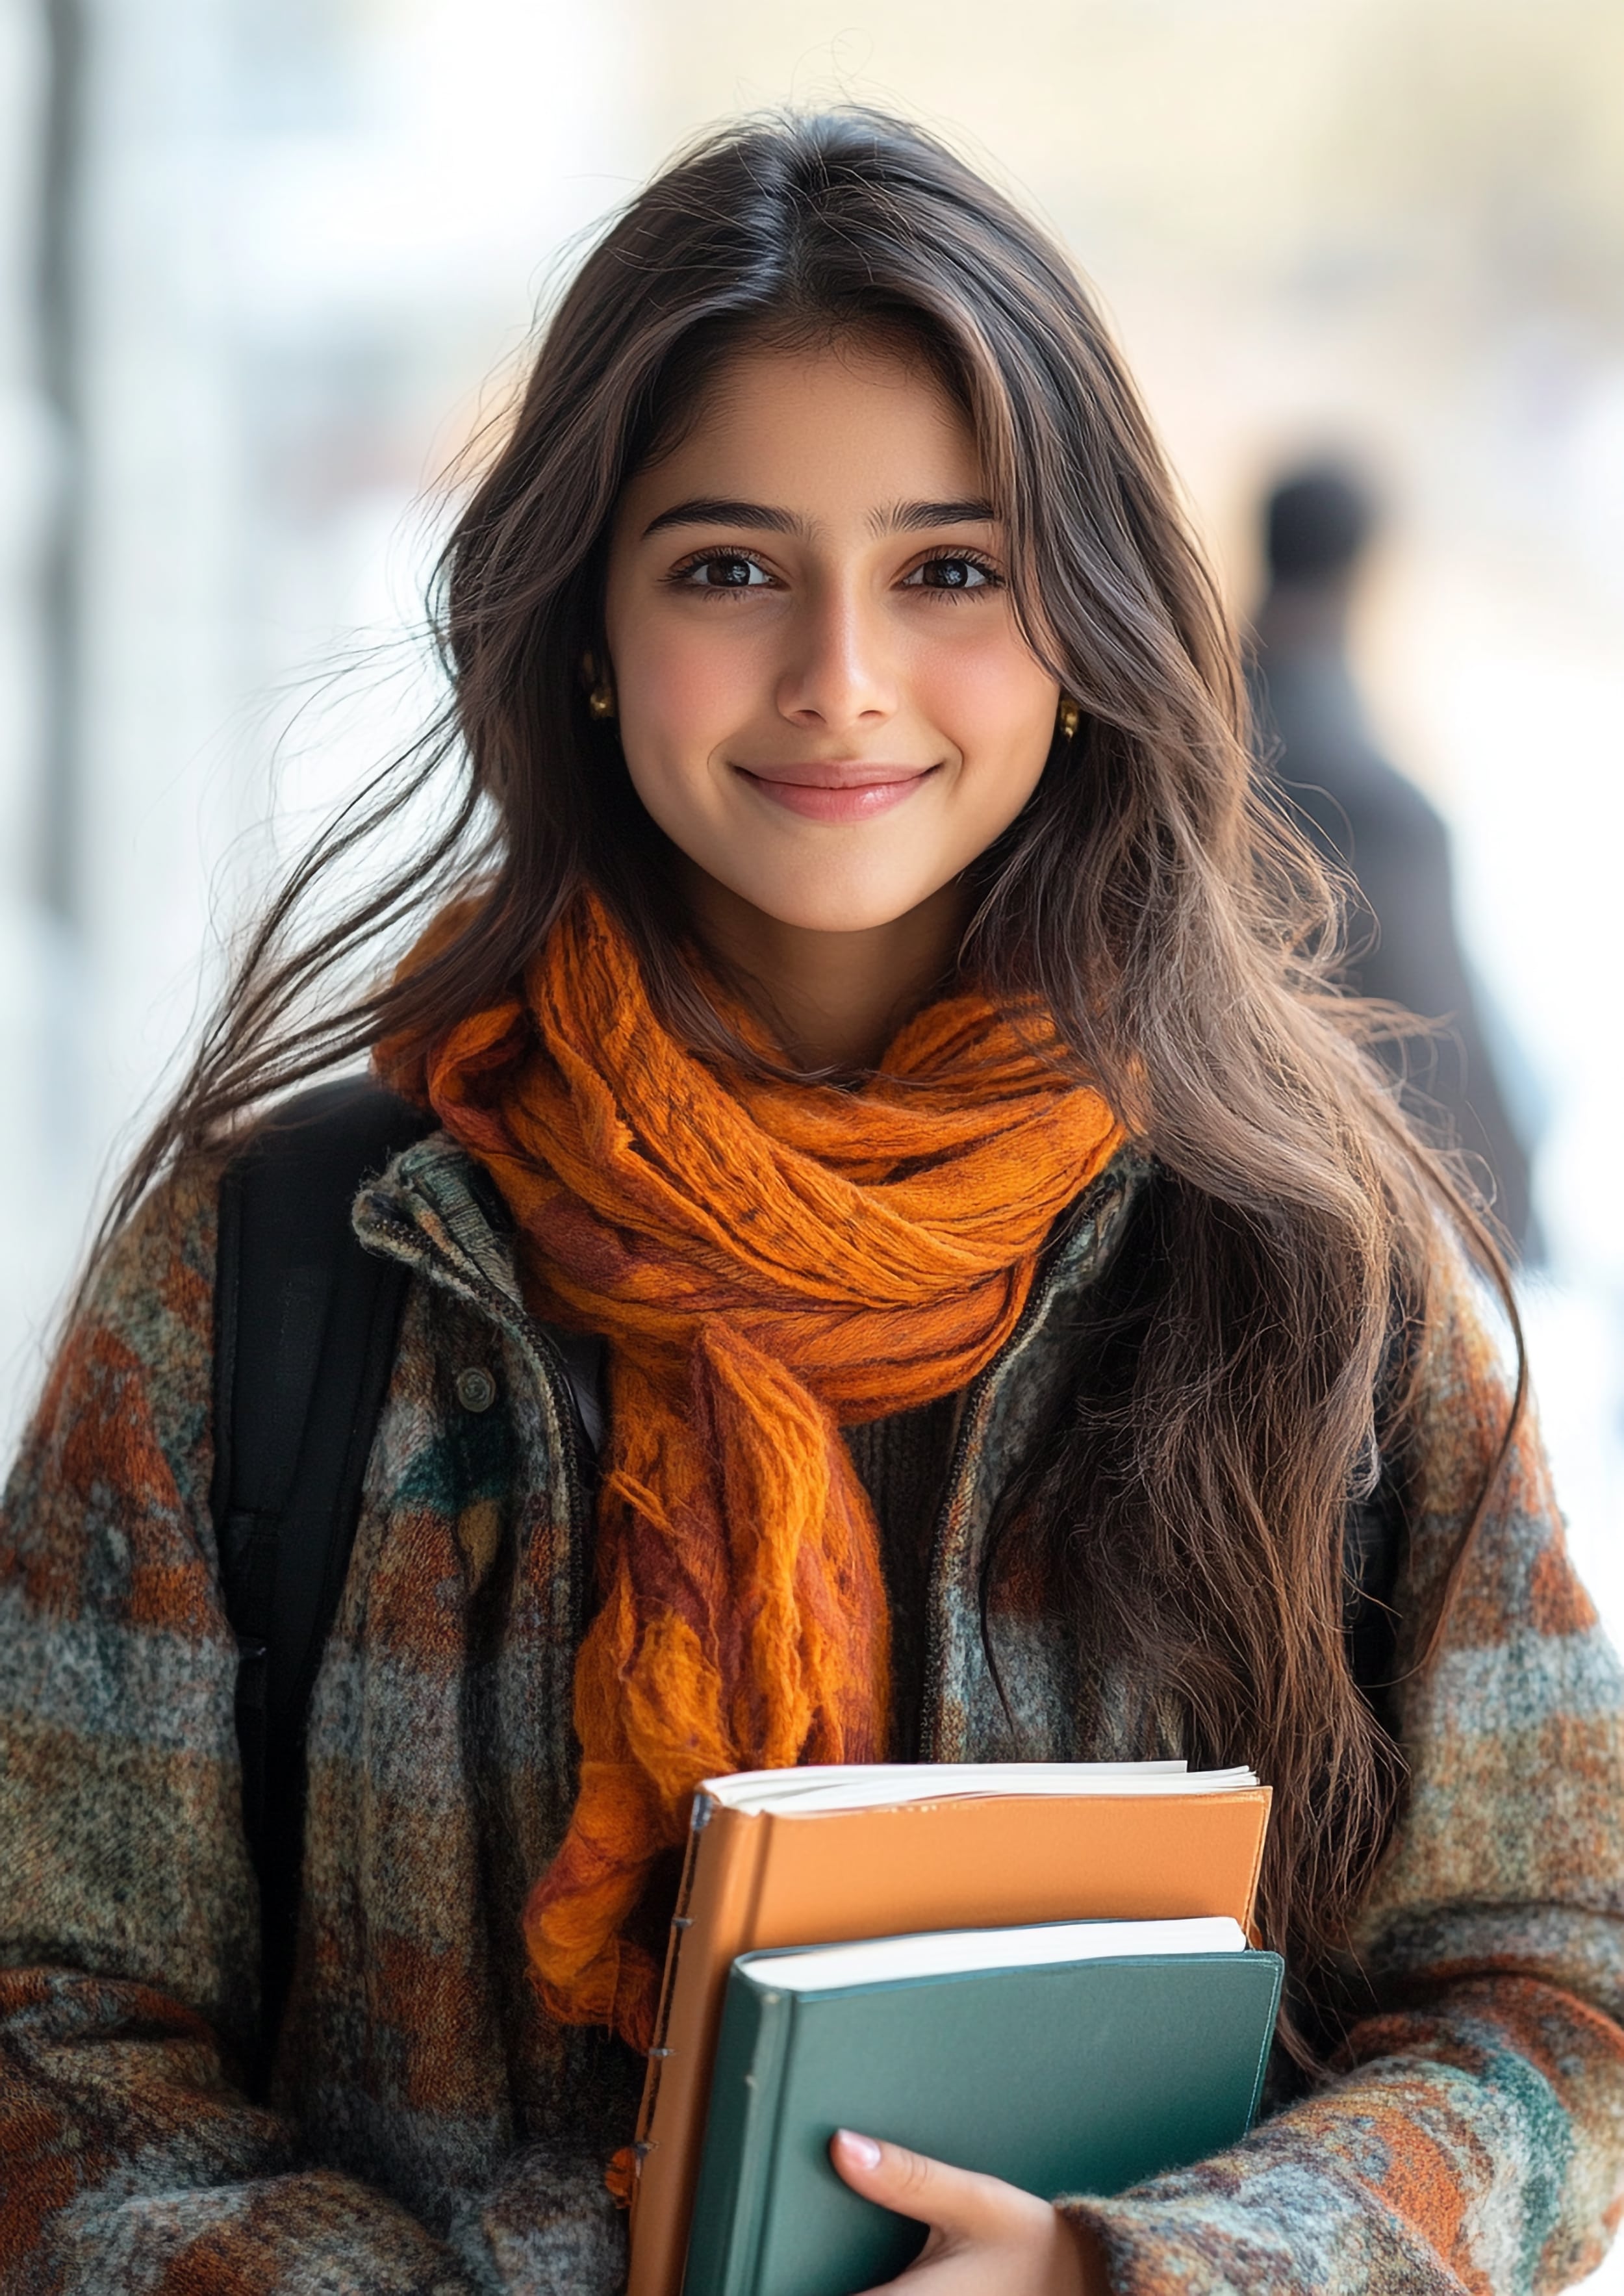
pixel 951 571
pixel 723 571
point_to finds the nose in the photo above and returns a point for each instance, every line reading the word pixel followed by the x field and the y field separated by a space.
pixel 839 677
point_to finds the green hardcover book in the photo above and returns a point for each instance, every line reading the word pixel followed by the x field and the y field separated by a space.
pixel 1076 2057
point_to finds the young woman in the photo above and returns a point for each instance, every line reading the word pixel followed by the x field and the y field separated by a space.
pixel 910 1259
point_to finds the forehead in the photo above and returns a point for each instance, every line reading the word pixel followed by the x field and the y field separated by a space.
pixel 835 433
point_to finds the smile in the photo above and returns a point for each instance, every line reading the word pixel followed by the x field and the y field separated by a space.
pixel 843 791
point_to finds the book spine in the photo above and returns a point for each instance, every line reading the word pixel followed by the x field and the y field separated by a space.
pixel 753 2198
pixel 682 1921
pixel 726 1852
pixel 729 2211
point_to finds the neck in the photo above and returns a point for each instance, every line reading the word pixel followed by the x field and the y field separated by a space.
pixel 834 1000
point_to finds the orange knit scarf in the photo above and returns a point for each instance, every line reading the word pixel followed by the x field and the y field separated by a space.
pixel 767 1262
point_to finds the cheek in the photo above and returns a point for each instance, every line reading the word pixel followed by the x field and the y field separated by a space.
pixel 988 696
pixel 680 691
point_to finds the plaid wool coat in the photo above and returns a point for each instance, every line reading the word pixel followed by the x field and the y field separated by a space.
pixel 428 2130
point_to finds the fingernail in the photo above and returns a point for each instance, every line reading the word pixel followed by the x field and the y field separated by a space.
pixel 862 2149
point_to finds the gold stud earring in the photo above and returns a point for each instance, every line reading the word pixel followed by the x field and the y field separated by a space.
pixel 601 693
pixel 1070 717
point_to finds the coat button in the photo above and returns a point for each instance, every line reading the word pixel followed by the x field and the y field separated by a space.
pixel 476 1389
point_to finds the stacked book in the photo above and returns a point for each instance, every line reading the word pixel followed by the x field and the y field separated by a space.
pixel 1041 1970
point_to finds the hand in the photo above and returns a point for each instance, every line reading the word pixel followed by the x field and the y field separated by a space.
pixel 987 2238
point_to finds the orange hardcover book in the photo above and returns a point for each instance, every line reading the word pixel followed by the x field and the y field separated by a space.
pixel 816 1857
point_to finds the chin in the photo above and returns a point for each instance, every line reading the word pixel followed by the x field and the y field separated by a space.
pixel 809 906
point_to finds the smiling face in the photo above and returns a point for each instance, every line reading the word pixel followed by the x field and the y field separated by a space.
pixel 824 699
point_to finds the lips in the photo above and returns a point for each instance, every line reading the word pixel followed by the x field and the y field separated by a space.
pixel 841 789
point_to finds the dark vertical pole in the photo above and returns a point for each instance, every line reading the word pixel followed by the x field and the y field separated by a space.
pixel 59 282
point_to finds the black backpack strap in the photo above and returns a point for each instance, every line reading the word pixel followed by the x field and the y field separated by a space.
pixel 1375 1535
pixel 306 1329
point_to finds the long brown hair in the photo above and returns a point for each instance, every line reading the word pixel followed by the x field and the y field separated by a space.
pixel 1180 935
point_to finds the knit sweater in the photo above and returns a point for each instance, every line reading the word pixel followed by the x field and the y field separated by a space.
pixel 902 1462
pixel 428 2129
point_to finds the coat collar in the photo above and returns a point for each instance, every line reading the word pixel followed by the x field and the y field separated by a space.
pixel 434 1209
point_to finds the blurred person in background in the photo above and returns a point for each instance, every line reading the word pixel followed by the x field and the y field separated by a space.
pixel 895 1257
pixel 1371 822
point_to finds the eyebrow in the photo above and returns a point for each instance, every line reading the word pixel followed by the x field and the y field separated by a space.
pixel 762 518
pixel 909 518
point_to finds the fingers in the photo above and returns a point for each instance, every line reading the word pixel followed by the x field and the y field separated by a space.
pixel 985 2235
pixel 955 2203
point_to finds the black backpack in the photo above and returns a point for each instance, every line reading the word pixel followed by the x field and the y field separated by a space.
pixel 305 1328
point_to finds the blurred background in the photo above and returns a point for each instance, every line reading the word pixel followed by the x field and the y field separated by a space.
pixel 266 265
